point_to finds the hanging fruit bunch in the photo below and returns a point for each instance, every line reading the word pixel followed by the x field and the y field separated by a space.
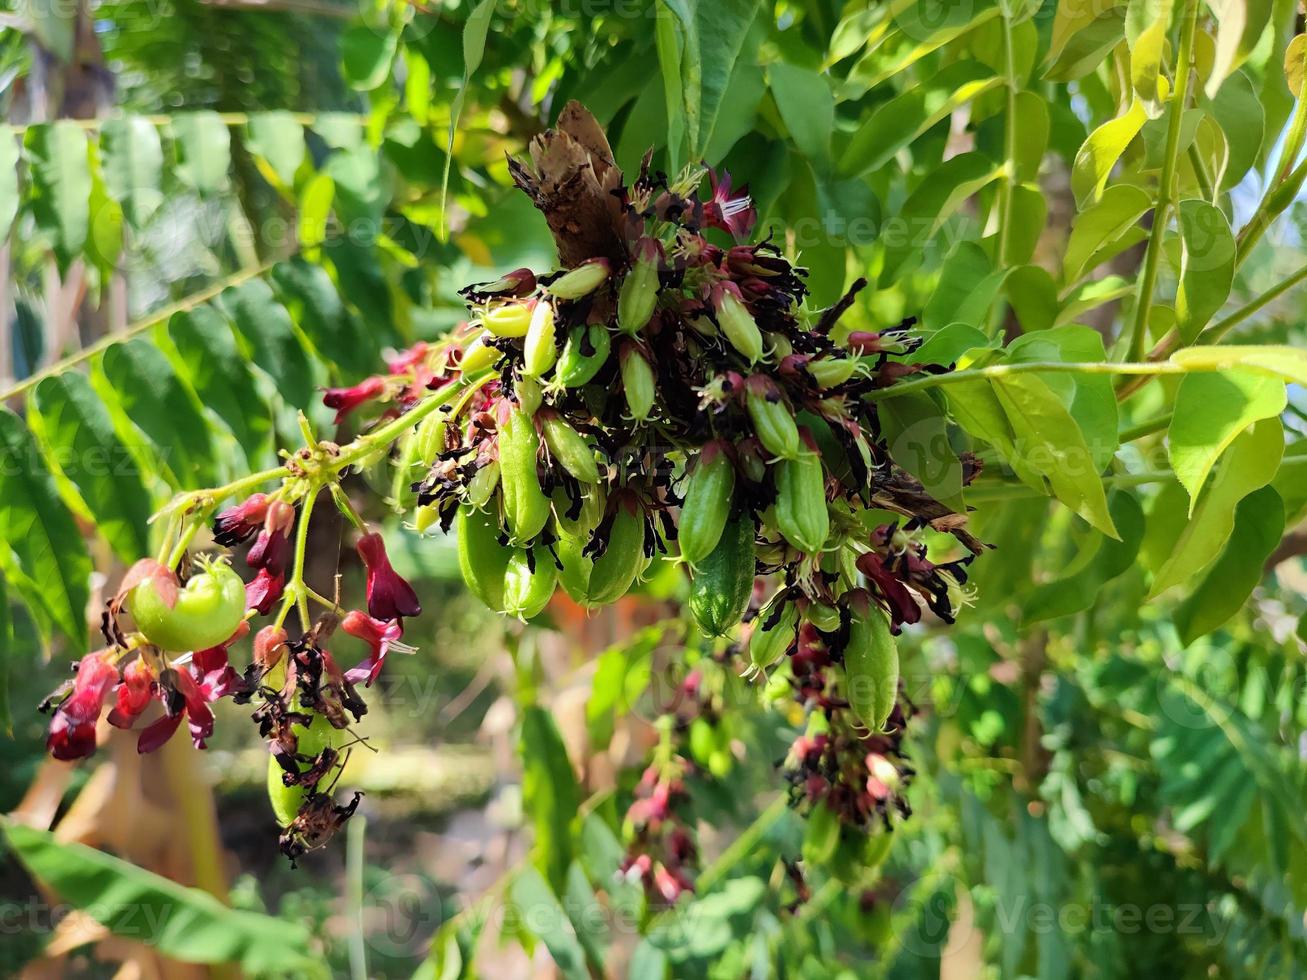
pixel 667 393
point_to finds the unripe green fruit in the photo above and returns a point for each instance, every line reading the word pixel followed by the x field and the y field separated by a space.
pixel 575 367
pixel 801 514
pixel 587 519
pixel 766 646
pixel 773 422
pixel 481 558
pixel 286 800
pixel 739 326
pixel 871 668
pixel 637 382
pixel 208 610
pixel 723 581
pixel 526 508
pixel 638 296
pixel 707 504
pixel 529 394
pixel 611 575
pixel 508 320
pixel 539 351
pixel 569 448
pixel 829 372
pixel 581 281
pixel 483 483
pixel 478 356
pixel 529 580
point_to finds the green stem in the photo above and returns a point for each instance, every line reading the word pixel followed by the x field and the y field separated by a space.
pixel 1293 140
pixel 355 838
pixel 1010 141
pixel 995 491
pixel 1219 329
pixel 922 382
pixel 365 445
pixel 133 329
pixel 296 589
pixel 1145 428
pixel 1278 197
pixel 1166 182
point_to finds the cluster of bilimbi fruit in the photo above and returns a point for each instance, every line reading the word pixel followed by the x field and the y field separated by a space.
pixel 685 404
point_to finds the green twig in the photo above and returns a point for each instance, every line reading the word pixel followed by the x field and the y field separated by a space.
pixel 922 382
pixel 1166 182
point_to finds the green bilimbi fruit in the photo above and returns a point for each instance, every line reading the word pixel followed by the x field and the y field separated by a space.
pixel 204 612
pixel 831 371
pixel 773 422
pixel 538 350
pixel 871 665
pixel 770 640
pixel 529 580
pixel 581 281
pixel 430 437
pixel 569 447
pixel 825 618
pixel 526 508
pixel 575 367
pixel 287 800
pixel 481 558
pixel 599 581
pixel 801 514
pixel 529 394
pixel 508 320
pixel 822 837
pixel 483 483
pixel 587 519
pixel 406 470
pixel 639 293
pixel 478 356
pixel 736 322
pixel 637 381
pixel 707 503
pixel 723 581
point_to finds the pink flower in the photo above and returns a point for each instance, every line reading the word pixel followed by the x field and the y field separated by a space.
pixel 381 636
pixel 272 547
pixel 72 729
pixel 389 596
pixel 346 400
pixel 733 213
pixel 135 692
pixel 196 684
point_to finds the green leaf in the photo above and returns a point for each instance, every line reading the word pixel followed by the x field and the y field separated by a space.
pixel 898 122
pixel 475 30
pixel 622 674
pixel 315 305
pixel 203 149
pixel 1090 398
pixel 1079 591
pixel 58 154
pixel 1100 226
pixel 1238 110
pixel 1083 34
pixel 949 343
pixel 806 105
pixel 79 432
pixel 315 210
pixel 591 930
pixel 41 533
pixel 720 29
pixel 1096 158
pixel 1031 124
pixel 1033 295
pixel 967 286
pixel 278 139
pixel 6 653
pixel 932 203
pixel 648 962
pixel 143 380
pixel 9 162
pixel 222 378
pixel 1258 524
pixel 550 792
pixel 1146 26
pixel 186 924
pixel 1287 363
pixel 1206 266
pixel 1239 26
pixel 267 327
pixel 1210 411
pixel 539 912
pixel 668 42
pixel 977 409
pixel 1249 465
pixel 915 431
pixel 366 54
pixel 132 159
pixel 1048 436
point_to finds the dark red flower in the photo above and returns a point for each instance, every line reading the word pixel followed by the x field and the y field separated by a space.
pixel 262 593
pixel 381 636
pixel 389 596
pixel 237 524
pixel 732 213
pixel 188 688
pixel 272 547
pixel 345 400
pixel 135 692
pixel 72 729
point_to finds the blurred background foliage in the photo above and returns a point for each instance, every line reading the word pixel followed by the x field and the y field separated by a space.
pixel 211 209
